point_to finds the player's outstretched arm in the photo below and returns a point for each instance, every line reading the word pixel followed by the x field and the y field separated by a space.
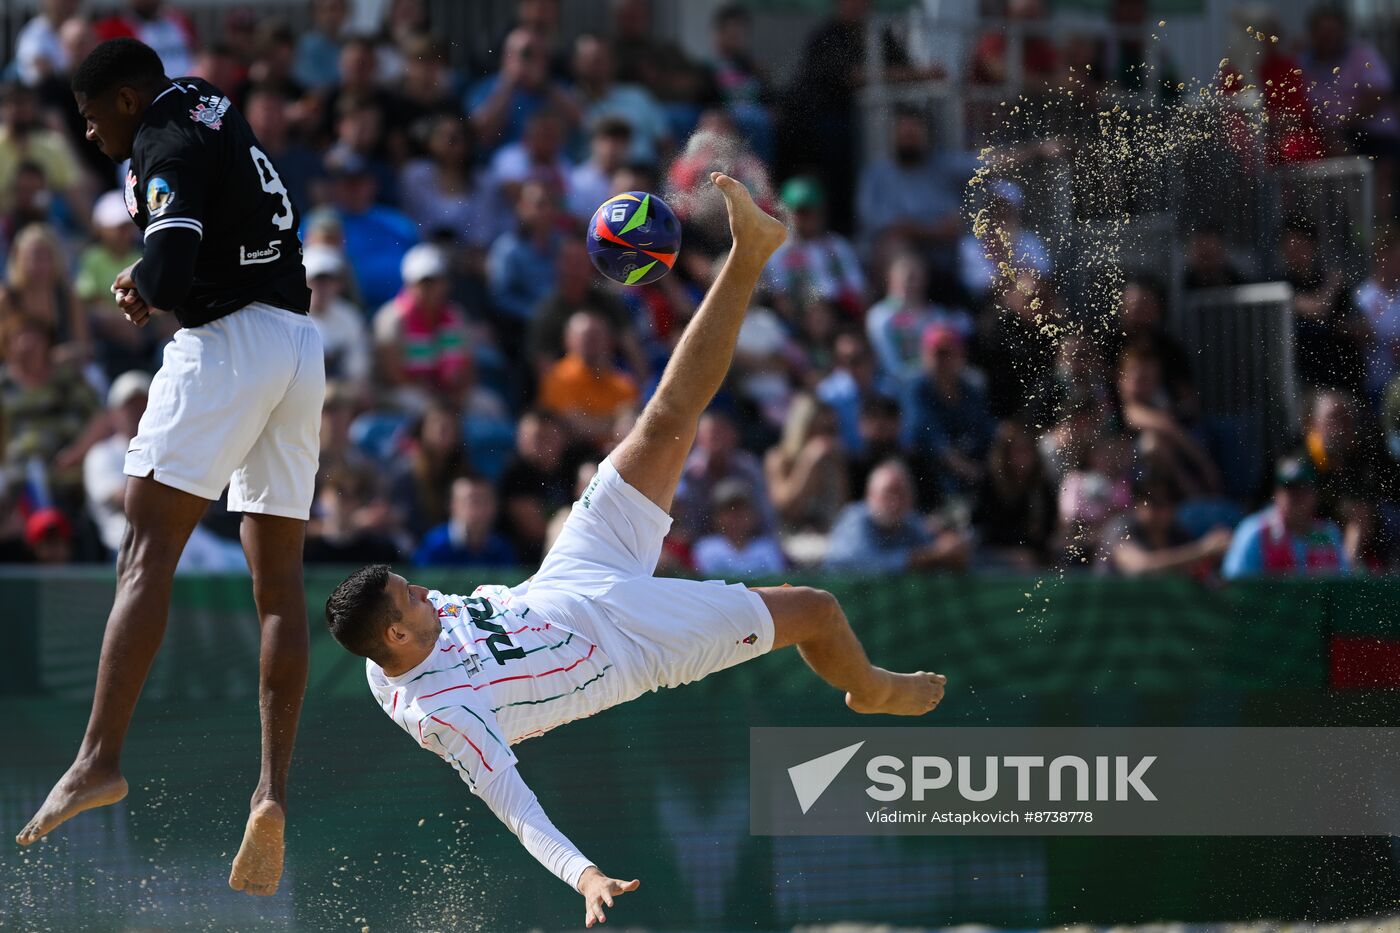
pixel 598 889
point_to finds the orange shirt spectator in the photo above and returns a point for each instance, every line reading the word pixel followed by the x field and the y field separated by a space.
pixel 585 387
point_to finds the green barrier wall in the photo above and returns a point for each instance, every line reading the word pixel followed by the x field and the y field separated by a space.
pixel 384 836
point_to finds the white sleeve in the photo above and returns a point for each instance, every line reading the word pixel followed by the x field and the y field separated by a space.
pixel 516 805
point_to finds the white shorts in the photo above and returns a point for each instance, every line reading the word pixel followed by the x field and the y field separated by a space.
pixel 658 632
pixel 237 403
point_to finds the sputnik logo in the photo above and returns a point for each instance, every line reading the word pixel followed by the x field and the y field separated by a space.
pixel 811 778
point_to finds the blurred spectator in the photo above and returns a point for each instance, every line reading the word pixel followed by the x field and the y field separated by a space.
pixel 444 193
pixel 1067 445
pixel 361 131
pixel 913 196
pixel 541 17
pixel 266 110
pixel 715 458
pixel 806 473
pixel 357 70
pixel 1095 493
pixel 883 533
pixel 421 338
pixel 26 139
pixel 335 537
pixel 271 64
pixel 1039 57
pixel 1325 320
pixel 1006 244
pixel 78 38
pixel 500 103
pixel 896 323
pixel 585 387
pixel 1208 260
pixel 427 88
pixel 1164 442
pixel 577 287
pixel 879 426
pixel 946 417
pixel 120 345
pixel 591 181
pixel 1347 458
pixel 218 63
pixel 1131 59
pixel 435 457
pixel 37 286
pixel 853 380
pixel 1350 87
pixel 520 265
pixel 401 24
pixel 1014 514
pixel 376 237
pixel 1378 298
pixel 1287 538
pixel 468 538
pixel 38 52
pixel 741 79
pixel 1152 541
pixel 104 476
pixel 1267 73
pixel 342 325
pixel 339 455
pixel 1080 378
pixel 538 156
pixel 813 260
pixel 737 548
pixel 601 96
pixel 715 145
pixel 819 125
pixel 1142 320
pixel 49 535
pixel 168 31
pixel 51 415
pixel 536 483
pixel 1018 346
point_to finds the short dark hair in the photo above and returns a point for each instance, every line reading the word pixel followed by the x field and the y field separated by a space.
pixel 115 63
pixel 359 610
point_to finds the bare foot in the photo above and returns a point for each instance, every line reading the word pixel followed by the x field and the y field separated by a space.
pixel 79 789
pixel 755 232
pixel 901 694
pixel 257 868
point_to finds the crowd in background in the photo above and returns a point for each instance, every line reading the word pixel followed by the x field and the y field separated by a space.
pixel 895 402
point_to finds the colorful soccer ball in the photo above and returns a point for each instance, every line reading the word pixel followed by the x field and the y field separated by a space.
pixel 634 238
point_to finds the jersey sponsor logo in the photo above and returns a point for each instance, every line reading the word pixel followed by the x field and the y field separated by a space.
pixel 159 197
pixel 210 111
pixel 253 257
pixel 130 191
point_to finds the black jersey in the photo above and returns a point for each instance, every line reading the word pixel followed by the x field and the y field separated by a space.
pixel 196 165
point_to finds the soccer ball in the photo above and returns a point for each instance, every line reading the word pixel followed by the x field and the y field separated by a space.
pixel 634 238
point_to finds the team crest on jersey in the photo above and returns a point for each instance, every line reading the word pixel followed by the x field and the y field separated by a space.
pixel 159 197
pixel 210 111
pixel 130 191
pixel 451 610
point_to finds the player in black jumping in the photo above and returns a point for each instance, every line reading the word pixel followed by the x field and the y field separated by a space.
pixel 237 403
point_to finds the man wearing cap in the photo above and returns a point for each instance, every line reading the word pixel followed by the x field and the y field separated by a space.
pixel 946 416
pixel 104 480
pixel 49 536
pixel 814 262
pixel 342 325
pixel 1288 538
pixel 421 338
pixel 376 236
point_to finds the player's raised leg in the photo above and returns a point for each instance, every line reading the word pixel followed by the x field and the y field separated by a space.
pixel 653 455
pixel 813 621
pixel 159 521
pixel 274 548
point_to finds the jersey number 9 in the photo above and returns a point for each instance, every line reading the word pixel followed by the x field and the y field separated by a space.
pixel 272 184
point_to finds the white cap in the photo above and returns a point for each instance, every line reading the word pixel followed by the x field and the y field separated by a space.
pixel 128 385
pixel 320 259
pixel 424 261
pixel 110 211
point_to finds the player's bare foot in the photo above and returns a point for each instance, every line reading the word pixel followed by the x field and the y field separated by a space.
pixel 257 868
pixel 80 789
pixel 755 231
pixel 900 694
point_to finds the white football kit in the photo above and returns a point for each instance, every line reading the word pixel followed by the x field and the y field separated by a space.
pixel 593 628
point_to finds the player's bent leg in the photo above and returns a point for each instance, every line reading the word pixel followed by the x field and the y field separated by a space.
pixel 274 548
pixel 159 521
pixel 813 621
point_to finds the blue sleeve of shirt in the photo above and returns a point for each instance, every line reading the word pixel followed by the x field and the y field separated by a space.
pixel 478 92
pixel 435 549
pixel 501 553
pixel 923 431
pixel 1245 558
pixel 852 548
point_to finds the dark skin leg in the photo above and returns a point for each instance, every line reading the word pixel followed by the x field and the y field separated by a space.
pixel 274 548
pixel 160 519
